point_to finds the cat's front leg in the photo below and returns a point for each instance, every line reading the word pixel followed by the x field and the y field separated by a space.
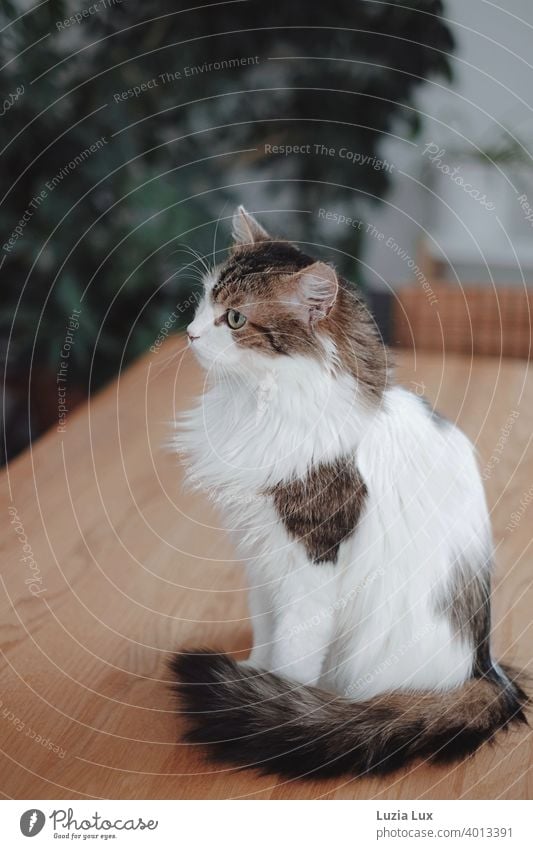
pixel 304 621
pixel 261 607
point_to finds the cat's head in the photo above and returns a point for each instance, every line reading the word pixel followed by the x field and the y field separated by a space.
pixel 271 303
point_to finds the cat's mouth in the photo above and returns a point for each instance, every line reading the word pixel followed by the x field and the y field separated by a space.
pixel 216 361
pixel 202 354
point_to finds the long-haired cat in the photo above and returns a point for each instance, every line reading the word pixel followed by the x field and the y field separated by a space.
pixel 361 517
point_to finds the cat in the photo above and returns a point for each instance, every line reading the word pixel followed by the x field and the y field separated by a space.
pixel 361 517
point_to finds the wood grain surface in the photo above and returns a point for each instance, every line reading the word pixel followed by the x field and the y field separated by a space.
pixel 127 568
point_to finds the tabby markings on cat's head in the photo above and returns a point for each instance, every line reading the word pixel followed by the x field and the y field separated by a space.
pixel 271 300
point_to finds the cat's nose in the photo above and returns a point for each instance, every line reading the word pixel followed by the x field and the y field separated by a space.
pixel 192 336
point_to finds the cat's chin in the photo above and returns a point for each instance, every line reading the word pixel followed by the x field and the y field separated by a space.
pixel 207 359
pixel 220 365
pixel 216 367
pixel 202 358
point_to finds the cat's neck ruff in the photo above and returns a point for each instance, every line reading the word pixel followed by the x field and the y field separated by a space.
pixel 254 429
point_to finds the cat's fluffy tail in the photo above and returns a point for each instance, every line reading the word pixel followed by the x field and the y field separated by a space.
pixel 257 719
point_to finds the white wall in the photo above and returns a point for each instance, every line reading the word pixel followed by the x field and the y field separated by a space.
pixel 492 89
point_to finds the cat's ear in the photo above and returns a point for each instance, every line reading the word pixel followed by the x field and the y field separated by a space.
pixel 246 230
pixel 315 291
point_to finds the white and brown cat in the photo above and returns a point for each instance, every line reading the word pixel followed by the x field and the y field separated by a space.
pixel 361 517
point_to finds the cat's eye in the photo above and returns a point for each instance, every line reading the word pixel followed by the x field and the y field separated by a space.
pixel 235 319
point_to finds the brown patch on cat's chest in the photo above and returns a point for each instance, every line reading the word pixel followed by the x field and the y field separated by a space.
pixel 322 509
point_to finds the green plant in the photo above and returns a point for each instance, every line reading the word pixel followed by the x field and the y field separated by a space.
pixel 172 158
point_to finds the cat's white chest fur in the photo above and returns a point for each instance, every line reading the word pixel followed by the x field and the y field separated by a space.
pixel 254 431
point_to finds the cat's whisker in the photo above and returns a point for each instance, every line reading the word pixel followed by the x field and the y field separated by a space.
pixel 165 362
pixel 197 257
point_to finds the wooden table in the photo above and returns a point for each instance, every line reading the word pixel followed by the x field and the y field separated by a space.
pixel 127 568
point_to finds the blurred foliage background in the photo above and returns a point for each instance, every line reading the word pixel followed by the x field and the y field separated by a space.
pixel 115 232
